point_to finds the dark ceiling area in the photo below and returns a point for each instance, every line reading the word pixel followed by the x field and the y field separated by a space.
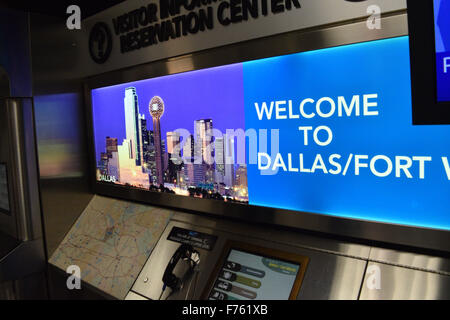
pixel 58 8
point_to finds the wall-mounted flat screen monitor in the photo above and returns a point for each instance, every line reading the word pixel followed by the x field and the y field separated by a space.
pixel 429 31
pixel 326 132
pixel 247 272
pixel 442 43
pixel 4 194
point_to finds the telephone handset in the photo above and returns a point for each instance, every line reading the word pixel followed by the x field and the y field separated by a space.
pixel 187 253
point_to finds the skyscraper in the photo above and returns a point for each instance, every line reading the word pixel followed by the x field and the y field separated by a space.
pixel 142 128
pixel 241 176
pixel 111 146
pixel 132 124
pixel 174 155
pixel 102 164
pixel 229 160
pixel 219 154
pixel 156 108
pixel 189 174
pixel 165 156
pixel 205 148
pixel 173 146
pixel 188 149
pixel 113 166
pixel 199 174
pixel 129 172
pixel 151 152
pixel 145 137
pixel 204 136
pixel 188 159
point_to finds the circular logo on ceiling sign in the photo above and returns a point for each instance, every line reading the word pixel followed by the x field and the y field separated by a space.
pixel 100 42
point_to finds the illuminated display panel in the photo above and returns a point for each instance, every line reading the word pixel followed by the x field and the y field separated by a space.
pixel 247 276
pixel 328 131
pixel 442 40
pixel 169 134
pixel 248 272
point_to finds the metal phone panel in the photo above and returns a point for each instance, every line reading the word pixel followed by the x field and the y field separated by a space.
pixel 332 277
pixel 328 276
pixel 149 282
pixel 297 239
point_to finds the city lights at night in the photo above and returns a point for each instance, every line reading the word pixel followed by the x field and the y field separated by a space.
pixel 201 165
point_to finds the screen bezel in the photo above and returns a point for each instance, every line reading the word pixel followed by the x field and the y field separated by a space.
pixel 427 109
pixel 391 235
pixel 301 261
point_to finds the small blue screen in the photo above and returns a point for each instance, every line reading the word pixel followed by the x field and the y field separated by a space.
pixel 442 39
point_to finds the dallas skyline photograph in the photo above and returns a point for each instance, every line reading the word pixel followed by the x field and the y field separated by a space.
pixel 165 135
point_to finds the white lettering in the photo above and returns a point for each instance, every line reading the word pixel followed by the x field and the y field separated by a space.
pixel 279 163
pixel 291 114
pixel 291 169
pixel 319 164
pixel 446 166
pixel 302 109
pixel 422 165
pixel 305 133
pixel 378 173
pixel 316 133
pixel 302 169
pixel 368 105
pixel 358 164
pixel 446 64
pixel 268 161
pixel 279 109
pixel 342 104
pixel 403 167
pixel 263 110
pixel 332 109
pixel 337 165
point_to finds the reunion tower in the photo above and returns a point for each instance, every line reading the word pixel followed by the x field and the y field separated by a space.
pixel 156 108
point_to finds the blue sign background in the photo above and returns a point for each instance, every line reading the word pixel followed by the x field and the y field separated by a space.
pixel 380 67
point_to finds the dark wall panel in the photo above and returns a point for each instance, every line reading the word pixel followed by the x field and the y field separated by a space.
pixel 15 51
